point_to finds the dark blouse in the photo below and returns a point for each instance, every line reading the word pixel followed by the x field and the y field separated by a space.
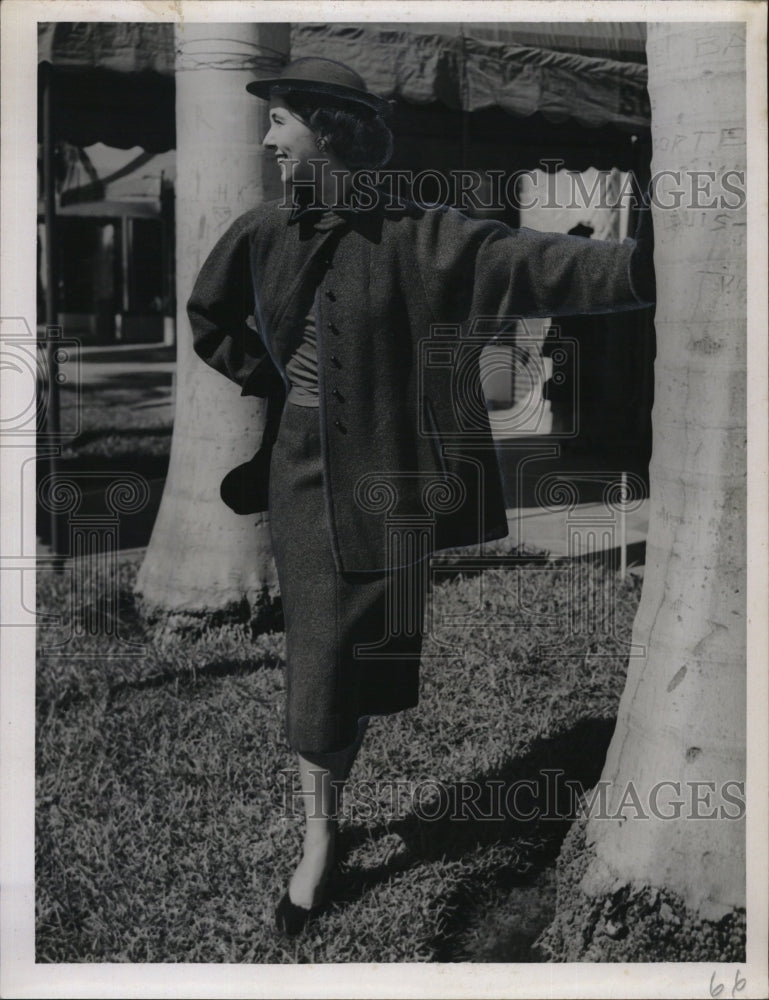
pixel 302 367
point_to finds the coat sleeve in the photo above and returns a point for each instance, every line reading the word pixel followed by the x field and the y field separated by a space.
pixel 221 311
pixel 473 269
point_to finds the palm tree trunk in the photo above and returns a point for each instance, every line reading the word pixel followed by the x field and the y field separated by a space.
pixel 202 558
pixel 683 712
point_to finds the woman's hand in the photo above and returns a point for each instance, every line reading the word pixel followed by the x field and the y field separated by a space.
pixel 642 274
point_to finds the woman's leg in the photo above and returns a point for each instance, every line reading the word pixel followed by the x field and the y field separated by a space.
pixel 322 778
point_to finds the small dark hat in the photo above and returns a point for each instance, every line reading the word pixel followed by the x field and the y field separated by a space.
pixel 312 75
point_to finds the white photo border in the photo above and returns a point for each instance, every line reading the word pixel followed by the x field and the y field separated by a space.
pixel 21 977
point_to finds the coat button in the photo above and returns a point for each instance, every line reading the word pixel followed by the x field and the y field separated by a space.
pixel 335 361
pixel 338 395
pixel 340 426
pixel 332 328
pixel 330 295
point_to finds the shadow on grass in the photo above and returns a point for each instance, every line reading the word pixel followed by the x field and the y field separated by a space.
pixel 181 683
pixel 134 528
pixel 129 621
pixel 191 681
pixel 527 805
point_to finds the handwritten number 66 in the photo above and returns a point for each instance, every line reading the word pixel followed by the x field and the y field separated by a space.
pixel 716 989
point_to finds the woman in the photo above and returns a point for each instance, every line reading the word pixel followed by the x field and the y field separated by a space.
pixel 368 316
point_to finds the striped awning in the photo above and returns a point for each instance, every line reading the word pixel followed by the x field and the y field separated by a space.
pixel 113 82
pixel 456 67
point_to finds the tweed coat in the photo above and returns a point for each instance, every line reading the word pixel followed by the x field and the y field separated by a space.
pixel 404 297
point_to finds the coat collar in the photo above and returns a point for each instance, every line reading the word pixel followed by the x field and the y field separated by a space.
pixel 365 220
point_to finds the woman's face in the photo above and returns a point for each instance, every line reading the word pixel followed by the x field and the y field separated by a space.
pixel 291 140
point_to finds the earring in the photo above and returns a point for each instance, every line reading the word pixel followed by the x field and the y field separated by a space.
pixel 322 143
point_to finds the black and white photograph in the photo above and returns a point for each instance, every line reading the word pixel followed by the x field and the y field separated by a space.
pixel 383 430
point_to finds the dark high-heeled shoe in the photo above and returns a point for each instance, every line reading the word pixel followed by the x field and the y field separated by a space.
pixel 291 919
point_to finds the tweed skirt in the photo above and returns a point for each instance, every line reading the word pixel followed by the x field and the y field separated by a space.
pixel 331 681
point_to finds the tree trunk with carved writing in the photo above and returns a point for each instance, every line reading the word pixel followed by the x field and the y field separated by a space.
pixel 202 558
pixel 659 887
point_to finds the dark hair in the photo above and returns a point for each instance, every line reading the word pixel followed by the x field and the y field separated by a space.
pixel 357 134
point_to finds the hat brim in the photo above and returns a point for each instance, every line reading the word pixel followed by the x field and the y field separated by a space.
pixel 265 89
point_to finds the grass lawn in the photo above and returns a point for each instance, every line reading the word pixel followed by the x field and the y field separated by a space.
pixel 123 420
pixel 165 827
pixel 115 426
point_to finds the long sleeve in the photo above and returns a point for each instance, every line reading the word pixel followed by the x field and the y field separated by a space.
pixel 221 310
pixel 472 269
